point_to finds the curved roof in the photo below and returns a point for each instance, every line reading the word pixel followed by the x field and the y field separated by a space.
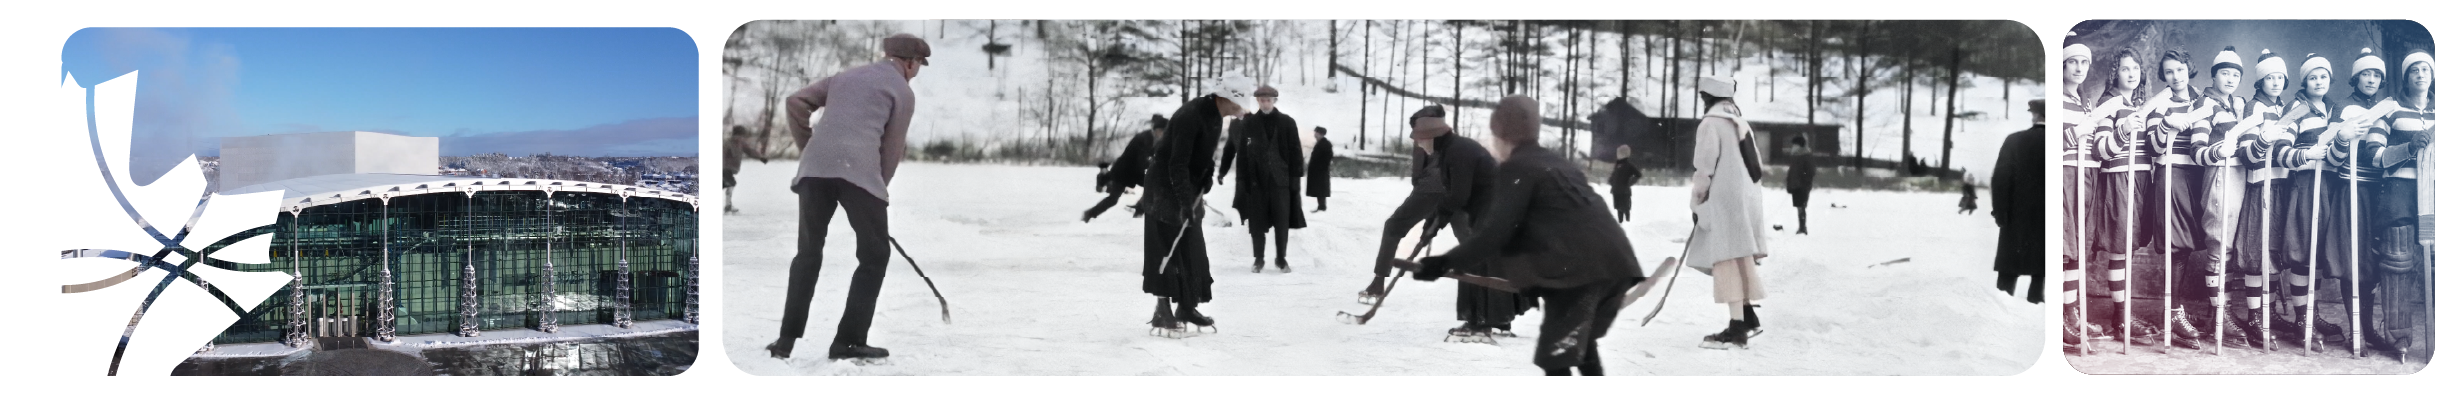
pixel 304 192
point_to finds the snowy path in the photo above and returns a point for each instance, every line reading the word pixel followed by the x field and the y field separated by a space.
pixel 1035 292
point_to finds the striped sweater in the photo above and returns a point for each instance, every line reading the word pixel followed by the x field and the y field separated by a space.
pixel 2397 157
pixel 2227 112
pixel 2076 127
pixel 2119 150
pixel 2257 148
pixel 2179 126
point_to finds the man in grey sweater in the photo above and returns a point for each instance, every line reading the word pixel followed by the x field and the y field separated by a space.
pixel 847 163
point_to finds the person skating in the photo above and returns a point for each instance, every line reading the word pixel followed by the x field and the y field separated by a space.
pixel 1175 266
pixel 1318 170
pixel 1625 173
pixel 1452 179
pixel 848 164
pixel 1267 173
pixel 1970 199
pixel 734 147
pixel 1799 180
pixel 1565 248
pixel 1127 170
pixel 2016 196
pixel 1725 199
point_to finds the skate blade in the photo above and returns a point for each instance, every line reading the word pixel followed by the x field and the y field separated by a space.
pixel 1487 340
pixel 1367 299
pixel 1205 329
pixel 1349 318
pixel 1721 345
pixel 862 361
pixel 1169 333
pixel 1505 334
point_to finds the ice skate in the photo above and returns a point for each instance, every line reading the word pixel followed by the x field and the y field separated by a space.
pixel 1258 265
pixel 1733 336
pixel 1194 322
pixel 1503 331
pixel 1372 292
pixel 860 354
pixel 1282 263
pixel 781 349
pixel 1470 334
pixel 1165 324
pixel 2187 335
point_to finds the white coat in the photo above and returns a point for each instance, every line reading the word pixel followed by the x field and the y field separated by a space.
pixel 1731 223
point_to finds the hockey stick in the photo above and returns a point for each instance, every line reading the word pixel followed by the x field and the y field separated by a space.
pixel 1421 245
pixel 2166 249
pixel 943 315
pixel 2081 197
pixel 1674 278
pixel 2132 216
pixel 2354 237
pixel 1181 234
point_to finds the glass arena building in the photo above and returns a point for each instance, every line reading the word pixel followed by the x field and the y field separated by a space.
pixel 383 255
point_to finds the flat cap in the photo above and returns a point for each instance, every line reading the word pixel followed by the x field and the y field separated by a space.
pixel 906 45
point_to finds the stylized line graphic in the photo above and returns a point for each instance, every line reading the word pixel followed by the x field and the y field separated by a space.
pixel 173 268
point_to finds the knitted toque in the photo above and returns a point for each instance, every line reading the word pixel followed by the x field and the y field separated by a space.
pixel 2227 60
pixel 2268 64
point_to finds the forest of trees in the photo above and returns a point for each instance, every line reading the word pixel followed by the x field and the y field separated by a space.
pixel 1089 68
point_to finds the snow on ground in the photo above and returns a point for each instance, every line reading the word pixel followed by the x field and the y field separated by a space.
pixel 1036 292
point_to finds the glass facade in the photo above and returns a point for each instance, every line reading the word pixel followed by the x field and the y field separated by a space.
pixel 438 244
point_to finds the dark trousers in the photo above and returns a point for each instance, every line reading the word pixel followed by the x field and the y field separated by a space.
pixel 820 198
pixel 1416 208
pixel 1104 205
pixel 1574 319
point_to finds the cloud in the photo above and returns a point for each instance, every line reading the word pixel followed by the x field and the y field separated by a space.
pixel 671 136
pixel 185 93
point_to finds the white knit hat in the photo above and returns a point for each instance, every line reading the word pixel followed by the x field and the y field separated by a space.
pixel 2226 60
pixel 2269 64
pixel 1236 88
pixel 2314 61
pixel 2369 61
pixel 1718 86
pixel 2417 57
pixel 2077 49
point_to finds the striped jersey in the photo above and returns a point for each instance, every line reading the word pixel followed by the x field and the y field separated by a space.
pixel 2226 113
pixel 2117 150
pixel 2179 125
pixel 2397 157
pixel 2077 127
pixel 2257 148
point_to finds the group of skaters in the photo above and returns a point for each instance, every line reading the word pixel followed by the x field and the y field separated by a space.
pixel 2199 218
pixel 1531 230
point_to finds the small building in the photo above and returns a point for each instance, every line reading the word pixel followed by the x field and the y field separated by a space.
pixel 1667 142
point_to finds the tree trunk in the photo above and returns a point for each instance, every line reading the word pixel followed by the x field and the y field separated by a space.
pixel 1331 69
pixel 1623 50
pixel 1859 117
pixel 1458 66
pixel 1953 88
pixel 1908 76
pixel 1364 68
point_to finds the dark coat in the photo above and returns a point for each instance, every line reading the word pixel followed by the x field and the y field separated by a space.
pixel 2018 191
pixel 1127 170
pixel 1268 163
pixel 1318 170
pixel 1546 228
pixel 1174 183
pixel 1800 180
pixel 1460 169
pixel 1624 173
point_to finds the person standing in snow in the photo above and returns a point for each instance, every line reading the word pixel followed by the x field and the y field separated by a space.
pixel 1175 266
pixel 848 163
pixel 1624 174
pixel 1723 194
pixel 1318 170
pixel 733 163
pixel 1970 198
pixel 2015 192
pixel 1799 179
pixel 1127 170
pixel 1563 247
pixel 1267 196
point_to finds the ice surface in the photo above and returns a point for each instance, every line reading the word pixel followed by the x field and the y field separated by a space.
pixel 1036 292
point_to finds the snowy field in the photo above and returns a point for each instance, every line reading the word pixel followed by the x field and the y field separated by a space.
pixel 1036 292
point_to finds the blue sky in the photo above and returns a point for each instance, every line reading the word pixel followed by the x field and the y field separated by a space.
pixel 569 91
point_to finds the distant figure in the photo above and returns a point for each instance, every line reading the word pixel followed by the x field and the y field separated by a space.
pixel 733 163
pixel 1724 196
pixel 1970 198
pixel 1267 196
pixel 2016 191
pixel 1803 174
pixel 1624 174
pixel 1127 170
pixel 848 163
pixel 1318 170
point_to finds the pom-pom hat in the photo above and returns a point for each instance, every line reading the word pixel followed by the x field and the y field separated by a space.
pixel 2227 60
pixel 2077 50
pixel 2369 61
pixel 2314 61
pixel 2268 64
pixel 2417 57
